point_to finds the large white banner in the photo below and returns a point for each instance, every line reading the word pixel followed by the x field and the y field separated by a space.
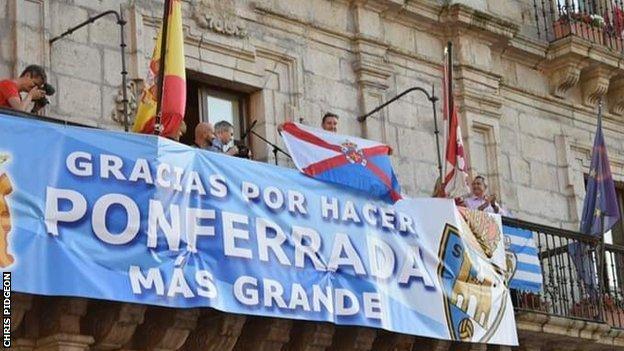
pixel 466 250
pixel 146 220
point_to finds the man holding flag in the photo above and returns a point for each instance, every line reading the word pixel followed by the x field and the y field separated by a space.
pixel 164 116
pixel 354 162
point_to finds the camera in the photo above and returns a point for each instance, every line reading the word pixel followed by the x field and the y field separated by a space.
pixel 40 103
pixel 243 150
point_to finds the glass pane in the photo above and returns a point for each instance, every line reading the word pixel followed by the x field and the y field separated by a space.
pixel 220 106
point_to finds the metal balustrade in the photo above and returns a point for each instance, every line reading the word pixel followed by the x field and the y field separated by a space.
pixel 572 285
pixel 598 21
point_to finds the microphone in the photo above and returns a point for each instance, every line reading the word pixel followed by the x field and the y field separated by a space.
pixel 253 124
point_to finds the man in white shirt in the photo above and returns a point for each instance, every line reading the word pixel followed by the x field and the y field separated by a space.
pixel 479 200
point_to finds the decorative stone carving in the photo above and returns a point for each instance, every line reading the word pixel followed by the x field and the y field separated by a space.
pixel 60 325
pixel 388 341
pixel 353 338
pixel 135 87
pixel 21 304
pixel 563 77
pixel 165 329
pixel 219 16
pixel 112 324
pixel 264 334
pixel 311 336
pixel 594 84
pixel 432 344
pixel 216 331
pixel 615 96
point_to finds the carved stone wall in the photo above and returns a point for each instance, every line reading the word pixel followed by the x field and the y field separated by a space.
pixel 299 59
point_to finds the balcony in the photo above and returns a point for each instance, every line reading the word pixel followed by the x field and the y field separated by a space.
pixel 571 287
pixel 597 21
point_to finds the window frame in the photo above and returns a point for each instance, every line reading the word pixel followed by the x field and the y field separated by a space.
pixel 206 90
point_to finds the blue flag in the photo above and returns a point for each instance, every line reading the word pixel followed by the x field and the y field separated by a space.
pixel 600 200
pixel 600 205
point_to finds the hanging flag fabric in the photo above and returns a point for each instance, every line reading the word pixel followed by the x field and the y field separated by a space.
pixel 523 265
pixel 600 211
pixel 455 183
pixel 600 199
pixel 174 88
pixel 357 163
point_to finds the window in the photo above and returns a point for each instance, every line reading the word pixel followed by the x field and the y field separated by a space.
pixel 218 105
pixel 617 232
pixel 206 102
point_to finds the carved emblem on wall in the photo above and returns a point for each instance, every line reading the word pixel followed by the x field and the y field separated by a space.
pixel 219 16
pixel 135 87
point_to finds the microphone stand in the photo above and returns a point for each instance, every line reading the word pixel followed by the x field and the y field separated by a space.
pixel 276 148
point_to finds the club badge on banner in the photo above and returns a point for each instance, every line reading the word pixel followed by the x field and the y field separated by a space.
pixel 141 219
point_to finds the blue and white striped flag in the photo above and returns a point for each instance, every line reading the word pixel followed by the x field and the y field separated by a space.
pixel 522 259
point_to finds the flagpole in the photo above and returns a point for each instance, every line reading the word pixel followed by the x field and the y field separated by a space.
pixel 601 258
pixel 436 130
pixel 161 69
pixel 449 97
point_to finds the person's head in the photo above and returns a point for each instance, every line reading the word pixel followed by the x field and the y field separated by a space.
pixel 181 131
pixel 330 122
pixel 224 131
pixel 32 76
pixel 204 133
pixel 479 186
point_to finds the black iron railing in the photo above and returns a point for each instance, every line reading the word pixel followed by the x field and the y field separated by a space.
pixel 572 285
pixel 614 285
pixel 598 21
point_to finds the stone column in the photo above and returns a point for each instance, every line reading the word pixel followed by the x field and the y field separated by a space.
pixel 59 325
pixel 164 329
pixel 353 338
pixel 432 344
pixel 113 324
pixel 215 331
pixel 311 336
pixel 372 72
pixel 389 341
pixel 264 334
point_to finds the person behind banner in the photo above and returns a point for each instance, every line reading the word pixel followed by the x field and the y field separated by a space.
pixel 480 200
pixel 330 122
pixel 224 133
pixel 204 133
pixel 31 80
pixel 179 132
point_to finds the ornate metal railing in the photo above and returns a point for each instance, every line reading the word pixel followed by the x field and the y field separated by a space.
pixel 572 284
pixel 598 21
pixel 614 285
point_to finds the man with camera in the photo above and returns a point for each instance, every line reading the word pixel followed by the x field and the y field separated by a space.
pixel 223 141
pixel 33 81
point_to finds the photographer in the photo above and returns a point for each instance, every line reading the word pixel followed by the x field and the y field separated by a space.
pixel 224 131
pixel 32 80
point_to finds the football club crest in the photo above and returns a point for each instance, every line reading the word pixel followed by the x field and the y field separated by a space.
pixel 474 288
pixel 353 154
pixel 511 259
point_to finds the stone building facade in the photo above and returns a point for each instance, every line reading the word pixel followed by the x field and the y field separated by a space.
pixel 527 106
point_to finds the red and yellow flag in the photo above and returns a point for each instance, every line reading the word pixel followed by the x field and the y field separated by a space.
pixel 174 89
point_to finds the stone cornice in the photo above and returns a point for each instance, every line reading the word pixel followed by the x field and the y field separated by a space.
pixel 525 50
pixel 461 18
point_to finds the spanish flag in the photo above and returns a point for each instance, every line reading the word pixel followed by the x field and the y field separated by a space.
pixel 174 89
